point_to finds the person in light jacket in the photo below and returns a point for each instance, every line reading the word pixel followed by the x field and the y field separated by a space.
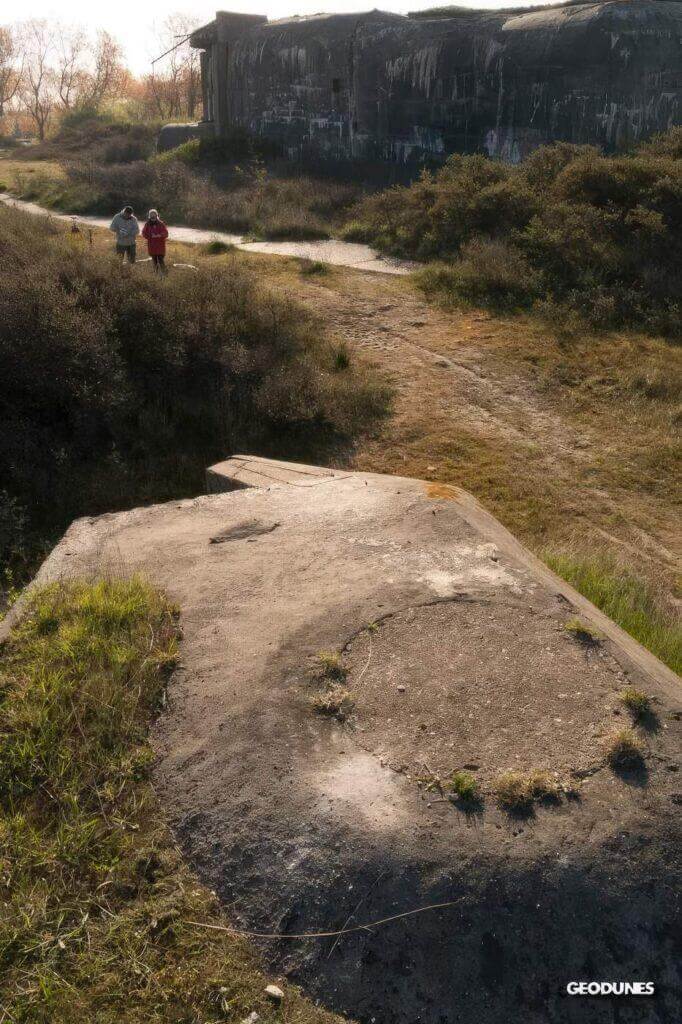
pixel 125 227
pixel 156 233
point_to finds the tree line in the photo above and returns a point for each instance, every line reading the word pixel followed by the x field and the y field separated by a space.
pixel 48 69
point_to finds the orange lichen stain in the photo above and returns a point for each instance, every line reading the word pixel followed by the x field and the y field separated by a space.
pixel 443 491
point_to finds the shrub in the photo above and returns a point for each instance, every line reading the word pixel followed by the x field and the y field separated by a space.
pixel 187 153
pixel 13 521
pixel 599 235
pixel 187 190
pixel 99 137
pixel 543 786
pixel 217 248
pixel 313 268
pixel 513 792
pixel 330 665
pixel 120 388
pixel 517 792
pixel 342 358
pixel 489 272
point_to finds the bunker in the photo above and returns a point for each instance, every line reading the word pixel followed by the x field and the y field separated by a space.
pixel 458 651
pixel 404 91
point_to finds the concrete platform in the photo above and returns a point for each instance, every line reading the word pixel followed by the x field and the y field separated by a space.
pixel 452 640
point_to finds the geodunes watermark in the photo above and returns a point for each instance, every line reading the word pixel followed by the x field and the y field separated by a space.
pixel 610 988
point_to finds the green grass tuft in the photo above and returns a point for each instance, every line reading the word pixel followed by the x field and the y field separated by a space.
pixel 582 631
pixel 314 268
pixel 636 701
pixel 342 357
pixel 629 601
pixel 217 248
pixel 95 896
pixel 464 787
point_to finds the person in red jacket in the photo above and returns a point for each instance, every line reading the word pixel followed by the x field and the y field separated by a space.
pixel 156 233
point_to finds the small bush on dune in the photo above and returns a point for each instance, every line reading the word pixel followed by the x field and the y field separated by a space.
pixel 187 153
pixel 464 788
pixel 594 234
pixel 514 793
pixel 517 792
pixel 101 138
pixel 489 272
pixel 314 268
pixel 119 388
pixel 217 248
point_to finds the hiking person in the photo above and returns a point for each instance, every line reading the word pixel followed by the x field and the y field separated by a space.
pixel 125 227
pixel 156 233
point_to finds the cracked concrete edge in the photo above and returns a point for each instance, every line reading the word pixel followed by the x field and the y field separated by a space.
pixel 255 471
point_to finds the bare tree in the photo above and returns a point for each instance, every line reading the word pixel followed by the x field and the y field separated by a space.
pixel 174 87
pixel 71 65
pixel 11 65
pixel 37 90
pixel 108 75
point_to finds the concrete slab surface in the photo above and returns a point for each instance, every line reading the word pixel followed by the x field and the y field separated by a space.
pixel 452 644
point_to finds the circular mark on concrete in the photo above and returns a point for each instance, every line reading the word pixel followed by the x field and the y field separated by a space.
pixel 493 684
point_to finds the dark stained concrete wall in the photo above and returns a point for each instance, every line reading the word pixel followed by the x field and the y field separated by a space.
pixel 383 87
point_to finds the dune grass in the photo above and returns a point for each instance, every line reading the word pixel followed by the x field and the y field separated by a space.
pixel 95 896
pixel 627 599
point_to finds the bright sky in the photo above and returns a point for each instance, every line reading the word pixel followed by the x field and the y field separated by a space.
pixel 133 21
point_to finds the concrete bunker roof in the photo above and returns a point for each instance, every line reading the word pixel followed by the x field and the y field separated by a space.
pixel 539 14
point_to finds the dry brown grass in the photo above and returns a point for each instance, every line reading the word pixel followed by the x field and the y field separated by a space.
pixel 624 749
pixel 513 792
pixel 336 701
pixel 516 792
pixel 636 701
pixel 568 439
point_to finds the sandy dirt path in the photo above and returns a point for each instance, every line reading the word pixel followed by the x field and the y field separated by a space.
pixel 332 251
pixel 476 405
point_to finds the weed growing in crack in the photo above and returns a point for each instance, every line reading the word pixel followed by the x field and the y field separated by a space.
pixel 582 632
